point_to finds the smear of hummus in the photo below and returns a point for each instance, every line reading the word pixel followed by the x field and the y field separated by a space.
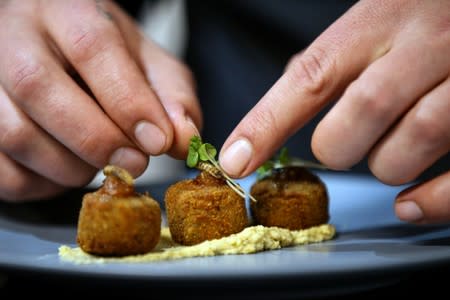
pixel 250 240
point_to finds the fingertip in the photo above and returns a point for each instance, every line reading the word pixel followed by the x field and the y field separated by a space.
pixel 408 211
pixel 235 158
pixel 426 202
pixel 184 128
pixel 330 143
pixel 190 123
pixel 151 138
pixel 134 161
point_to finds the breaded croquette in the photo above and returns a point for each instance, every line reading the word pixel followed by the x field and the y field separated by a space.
pixel 204 208
pixel 117 221
pixel 291 197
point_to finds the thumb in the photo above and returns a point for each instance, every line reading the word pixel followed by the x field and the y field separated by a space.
pixel 427 202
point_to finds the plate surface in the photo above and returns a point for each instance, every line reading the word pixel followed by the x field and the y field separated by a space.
pixel 372 248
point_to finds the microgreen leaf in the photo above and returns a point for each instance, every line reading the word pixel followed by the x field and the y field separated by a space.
pixel 284 158
pixel 199 151
pixel 264 169
pixel 196 142
pixel 192 158
pixel 207 152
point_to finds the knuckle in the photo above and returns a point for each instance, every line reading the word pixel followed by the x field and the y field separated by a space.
pixel 312 70
pixel 390 168
pixel 90 145
pixel 72 172
pixel 15 188
pixel 25 76
pixel 80 179
pixel 96 144
pixel 263 123
pixel 388 176
pixel 15 139
pixel 86 43
pixel 429 129
pixel 125 100
pixel 371 96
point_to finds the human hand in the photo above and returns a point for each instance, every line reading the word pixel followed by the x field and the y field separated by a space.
pixel 81 87
pixel 389 62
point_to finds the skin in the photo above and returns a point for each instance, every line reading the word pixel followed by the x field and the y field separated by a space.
pixel 80 88
pixel 387 63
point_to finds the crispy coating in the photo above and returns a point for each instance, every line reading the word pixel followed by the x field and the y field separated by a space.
pixel 116 221
pixel 292 198
pixel 203 208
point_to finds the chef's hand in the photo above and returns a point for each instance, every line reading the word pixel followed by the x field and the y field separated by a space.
pixel 81 87
pixel 389 62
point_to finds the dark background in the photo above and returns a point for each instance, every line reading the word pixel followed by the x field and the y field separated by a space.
pixel 431 284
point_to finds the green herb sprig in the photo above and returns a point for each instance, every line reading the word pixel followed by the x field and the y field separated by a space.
pixel 283 160
pixel 199 151
pixel 201 154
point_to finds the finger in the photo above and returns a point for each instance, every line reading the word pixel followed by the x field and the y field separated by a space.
pixel 417 141
pixel 428 202
pixel 96 49
pixel 312 80
pixel 171 80
pixel 22 140
pixel 375 101
pixel 174 85
pixel 18 184
pixel 40 88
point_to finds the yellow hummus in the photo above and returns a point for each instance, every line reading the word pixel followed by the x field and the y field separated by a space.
pixel 250 240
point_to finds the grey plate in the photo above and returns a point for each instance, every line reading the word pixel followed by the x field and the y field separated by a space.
pixel 372 247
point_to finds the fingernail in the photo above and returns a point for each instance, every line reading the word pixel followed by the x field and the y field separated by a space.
pixel 236 157
pixel 408 211
pixel 129 159
pixel 150 137
pixel 192 124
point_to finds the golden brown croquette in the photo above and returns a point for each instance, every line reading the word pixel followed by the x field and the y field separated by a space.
pixel 291 197
pixel 117 221
pixel 203 208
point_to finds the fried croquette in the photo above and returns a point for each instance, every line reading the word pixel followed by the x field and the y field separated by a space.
pixel 117 221
pixel 291 197
pixel 204 208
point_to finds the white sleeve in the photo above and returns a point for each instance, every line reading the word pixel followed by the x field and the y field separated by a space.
pixel 165 22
